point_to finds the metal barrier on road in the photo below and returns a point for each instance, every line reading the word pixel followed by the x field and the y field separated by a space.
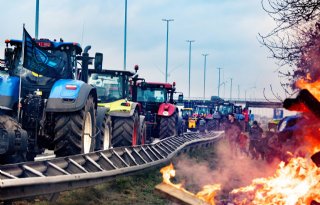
pixel 67 173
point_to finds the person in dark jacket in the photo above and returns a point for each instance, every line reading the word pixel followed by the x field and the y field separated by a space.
pixel 232 133
pixel 255 136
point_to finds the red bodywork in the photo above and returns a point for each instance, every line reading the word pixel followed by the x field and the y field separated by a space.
pixel 165 85
pixel 166 109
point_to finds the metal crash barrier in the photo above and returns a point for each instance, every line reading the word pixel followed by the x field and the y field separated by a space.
pixel 66 173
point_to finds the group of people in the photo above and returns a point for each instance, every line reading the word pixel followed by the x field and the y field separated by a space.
pixel 239 142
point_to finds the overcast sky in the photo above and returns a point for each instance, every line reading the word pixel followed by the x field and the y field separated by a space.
pixel 225 29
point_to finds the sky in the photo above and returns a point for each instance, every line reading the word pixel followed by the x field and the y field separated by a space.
pixel 227 30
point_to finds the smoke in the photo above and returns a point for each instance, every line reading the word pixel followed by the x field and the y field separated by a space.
pixel 223 168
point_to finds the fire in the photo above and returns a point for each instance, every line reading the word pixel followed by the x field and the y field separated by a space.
pixel 296 183
pixel 207 194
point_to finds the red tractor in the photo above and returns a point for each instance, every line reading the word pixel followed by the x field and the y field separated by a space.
pixel 158 106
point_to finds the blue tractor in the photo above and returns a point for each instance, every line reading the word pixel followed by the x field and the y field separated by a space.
pixel 52 108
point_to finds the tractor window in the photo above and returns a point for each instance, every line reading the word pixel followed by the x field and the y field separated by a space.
pixel 202 110
pixel 109 88
pixel 152 95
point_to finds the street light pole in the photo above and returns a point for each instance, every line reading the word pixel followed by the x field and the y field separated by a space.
pixel 204 75
pixel 37 20
pixel 189 41
pixel 125 37
pixel 167 43
pixel 230 88
pixel 219 82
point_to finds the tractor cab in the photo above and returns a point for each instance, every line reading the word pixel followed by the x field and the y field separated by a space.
pixel 111 85
pixel 66 52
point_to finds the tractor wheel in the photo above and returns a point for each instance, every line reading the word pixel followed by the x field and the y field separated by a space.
pixel 10 124
pixel 104 128
pixel 168 126
pixel 142 131
pixel 125 130
pixel 74 132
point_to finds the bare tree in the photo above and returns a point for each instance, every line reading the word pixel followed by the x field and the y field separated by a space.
pixel 295 40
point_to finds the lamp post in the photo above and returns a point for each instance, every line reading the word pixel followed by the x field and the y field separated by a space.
pixel 204 75
pixel 167 42
pixel 219 82
pixel 230 88
pixel 125 37
pixel 190 42
pixel 37 20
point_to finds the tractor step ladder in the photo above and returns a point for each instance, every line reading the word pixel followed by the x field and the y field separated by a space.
pixel 66 173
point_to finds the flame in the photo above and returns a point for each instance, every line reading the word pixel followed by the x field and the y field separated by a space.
pixel 296 183
pixel 207 194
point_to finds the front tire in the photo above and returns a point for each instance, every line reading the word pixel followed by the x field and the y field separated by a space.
pixel 168 126
pixel 125 130
pixel 74 132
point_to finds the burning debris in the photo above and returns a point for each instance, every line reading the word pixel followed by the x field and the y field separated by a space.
pixel 205 196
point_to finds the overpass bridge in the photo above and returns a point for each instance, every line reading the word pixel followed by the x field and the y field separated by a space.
pixel 251 103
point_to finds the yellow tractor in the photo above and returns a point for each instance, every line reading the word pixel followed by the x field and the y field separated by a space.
pixel 190 122
pixel 118 119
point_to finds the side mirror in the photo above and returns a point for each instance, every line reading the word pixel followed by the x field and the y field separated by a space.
pixel 98 58
pixel 180 98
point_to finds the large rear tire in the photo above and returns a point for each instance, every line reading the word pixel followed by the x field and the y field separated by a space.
pixel 142 131
pixel 103 140
pixel 10 124
pixel 168 126
pixel 125 130
pixel 75 132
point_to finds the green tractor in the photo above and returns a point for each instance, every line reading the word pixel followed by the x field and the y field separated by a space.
pixel 118 118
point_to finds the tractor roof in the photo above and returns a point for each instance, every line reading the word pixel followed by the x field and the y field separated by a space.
pixel 159 85
pixel 186 108
pixel 46 44
pixel 112 72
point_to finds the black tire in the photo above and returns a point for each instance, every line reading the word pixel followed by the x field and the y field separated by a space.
pixel 104 130
pixel 10 124
pixel 70 133
pixel 125 130
pixel 168 126
pixel 142 131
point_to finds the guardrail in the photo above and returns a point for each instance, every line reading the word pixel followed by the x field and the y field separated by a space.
pixel 61 174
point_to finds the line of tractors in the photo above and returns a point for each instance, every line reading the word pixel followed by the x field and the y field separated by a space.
pixel 208 115
pixel 78 109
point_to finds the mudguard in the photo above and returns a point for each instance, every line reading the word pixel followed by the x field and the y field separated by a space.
pixel 9 91
pixel 166 109
pixel 121 108
pixel 69 95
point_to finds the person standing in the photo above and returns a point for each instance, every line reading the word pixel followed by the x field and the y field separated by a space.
pixel 232 133
pixel 255 136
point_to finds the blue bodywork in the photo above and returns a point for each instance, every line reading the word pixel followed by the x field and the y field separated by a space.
pixel 59 89
pixel 9 91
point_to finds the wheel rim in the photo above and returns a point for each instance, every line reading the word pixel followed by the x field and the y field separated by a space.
pixel 135 133
pixel 87 136
pixel 106 138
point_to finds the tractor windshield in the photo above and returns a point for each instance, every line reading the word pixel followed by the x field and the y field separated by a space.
pixel 186 113
pixel 225 109
pixel 152 95
pixel 202 110
pixel 109 87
